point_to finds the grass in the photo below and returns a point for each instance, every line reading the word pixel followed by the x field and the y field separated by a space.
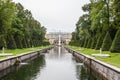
pixel 16 52
pixel 114 58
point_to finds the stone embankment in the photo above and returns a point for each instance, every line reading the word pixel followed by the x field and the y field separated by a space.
pixel 8 62
pixel 98 68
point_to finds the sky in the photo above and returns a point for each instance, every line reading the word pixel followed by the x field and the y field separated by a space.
pixel 55 15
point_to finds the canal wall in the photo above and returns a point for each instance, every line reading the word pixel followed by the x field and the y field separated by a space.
pixel 98 68
pixel 8 62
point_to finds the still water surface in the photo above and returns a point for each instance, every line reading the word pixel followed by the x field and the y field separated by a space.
pixel 57 64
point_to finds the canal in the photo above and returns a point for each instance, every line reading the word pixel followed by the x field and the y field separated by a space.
pixel 56 64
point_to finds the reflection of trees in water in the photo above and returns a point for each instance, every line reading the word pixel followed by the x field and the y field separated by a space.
pixel 83 74
pixel 27 72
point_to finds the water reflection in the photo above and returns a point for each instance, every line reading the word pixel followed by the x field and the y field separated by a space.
pixel 58 64
pixel 27 72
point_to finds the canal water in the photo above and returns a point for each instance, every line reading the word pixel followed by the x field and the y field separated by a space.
pixel 56 64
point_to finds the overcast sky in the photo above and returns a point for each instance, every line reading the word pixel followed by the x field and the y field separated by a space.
pixel 55 15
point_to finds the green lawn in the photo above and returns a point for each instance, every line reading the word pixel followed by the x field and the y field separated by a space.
pixel 22 51
pixel 114 58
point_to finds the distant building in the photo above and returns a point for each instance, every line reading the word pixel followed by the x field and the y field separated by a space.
pixel 54 37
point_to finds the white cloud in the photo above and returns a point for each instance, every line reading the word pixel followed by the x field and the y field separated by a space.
pixel 55 15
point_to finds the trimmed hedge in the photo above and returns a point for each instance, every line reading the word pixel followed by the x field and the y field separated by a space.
pixel 94 42
pixel 99 42
pixel 116 43
pixel 89 43
pixel 106 42
pixel 85 42
pixel 74 43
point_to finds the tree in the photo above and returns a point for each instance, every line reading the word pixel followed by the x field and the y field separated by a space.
pixel 18 28
pixel 116 13
pixel 7 13
pixel 94 42
pixel 99 41
pixel 2 41
pixel 106 42
pixel 11 42
pixel 85 43
pixel 116 43
pixel 89 43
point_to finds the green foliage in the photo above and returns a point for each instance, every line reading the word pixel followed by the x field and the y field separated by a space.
pixel 2 41
pixel 19 23
pixel 85 43
pixel 28 43
pixel 114 59
pixel 87 7
pixel 106 42
pixel 89 43
pixel 116 43
pixel 116 13
pixel 74 43
pixel 24 43
pixel 102 16
pixel 94 42
pixel 46 42
pixel 18 42
pixel 82 42
pixel 99 42
pixel 7 12
pixel 11 42
pixel 96 14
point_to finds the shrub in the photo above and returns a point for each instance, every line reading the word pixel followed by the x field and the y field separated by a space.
pixel 116 43
pixel 74 43
pixel 82 42
pixel 106 42
pixel 99 42
pixel 85 42
pixel 94 42
pixel 89 43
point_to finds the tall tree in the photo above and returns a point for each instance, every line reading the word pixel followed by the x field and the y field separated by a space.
pixel 7 13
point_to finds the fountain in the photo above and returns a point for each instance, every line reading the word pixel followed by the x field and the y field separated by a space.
pixel 59 40
pixel 100 54
pixel 59 44
pixel 5 54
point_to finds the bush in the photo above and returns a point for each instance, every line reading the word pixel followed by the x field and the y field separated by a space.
pixel 74 43
pixel 46 42
pixel 116 43
pixel 106 42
